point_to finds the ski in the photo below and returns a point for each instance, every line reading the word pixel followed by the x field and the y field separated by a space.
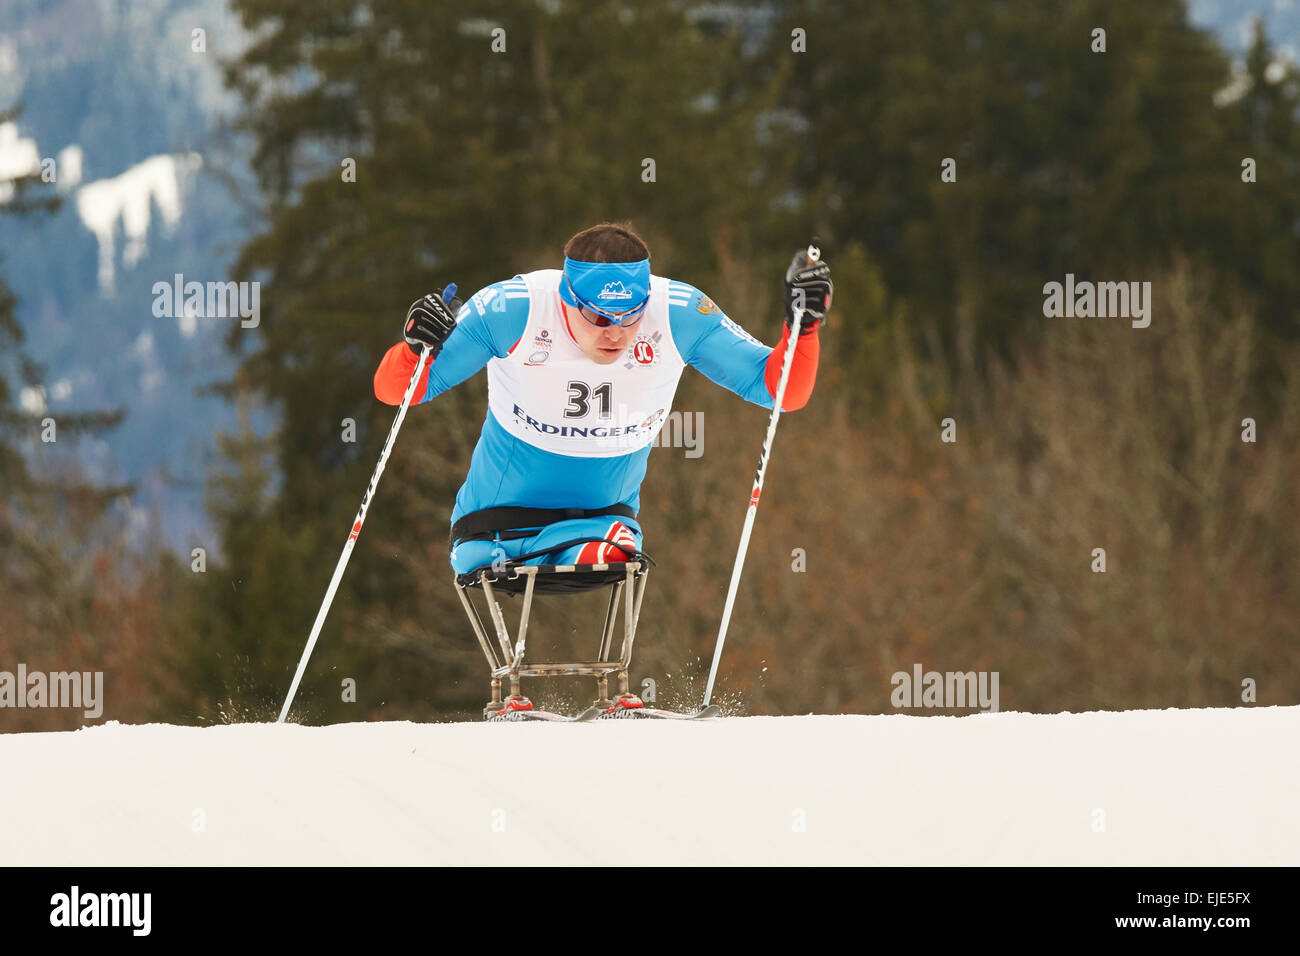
pixel 597 713
pixel 519 716
pixel 654 713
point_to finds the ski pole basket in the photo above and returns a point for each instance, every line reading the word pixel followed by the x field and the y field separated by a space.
pixel 626 581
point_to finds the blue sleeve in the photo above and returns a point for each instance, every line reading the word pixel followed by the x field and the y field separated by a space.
pixel 487 327
pixel 717 346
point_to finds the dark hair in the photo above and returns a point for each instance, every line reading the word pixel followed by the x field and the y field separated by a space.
pixel 608 242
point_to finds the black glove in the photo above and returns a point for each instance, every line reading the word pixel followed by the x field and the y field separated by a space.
pixel 431 319
pixel 807 286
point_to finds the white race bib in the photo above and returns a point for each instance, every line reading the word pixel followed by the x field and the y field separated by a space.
pixel 548 393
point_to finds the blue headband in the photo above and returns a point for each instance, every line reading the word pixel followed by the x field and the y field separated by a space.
pixel 609 286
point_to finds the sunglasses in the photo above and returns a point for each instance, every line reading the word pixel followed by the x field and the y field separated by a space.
pixel 602 319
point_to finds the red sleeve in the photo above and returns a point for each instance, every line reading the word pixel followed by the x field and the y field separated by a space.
pixel 394 374
pixel 803 369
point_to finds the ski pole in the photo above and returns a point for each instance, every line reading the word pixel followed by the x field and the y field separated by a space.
pixel 447 295
pixel 813 254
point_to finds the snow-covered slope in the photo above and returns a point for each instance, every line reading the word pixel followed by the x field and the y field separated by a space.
pixel 1140 787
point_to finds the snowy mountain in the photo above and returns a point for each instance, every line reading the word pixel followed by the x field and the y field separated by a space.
pixel 124 111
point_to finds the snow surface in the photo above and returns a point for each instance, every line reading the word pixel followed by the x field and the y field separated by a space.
pixel 129 198
pixel 31 399
pixel 68 167
pixel 1139 787
pixel 18 158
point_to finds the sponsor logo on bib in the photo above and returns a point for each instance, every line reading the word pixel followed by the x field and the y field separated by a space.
pixel 643 353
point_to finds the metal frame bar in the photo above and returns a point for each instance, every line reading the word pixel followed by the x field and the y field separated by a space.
pixel 510 662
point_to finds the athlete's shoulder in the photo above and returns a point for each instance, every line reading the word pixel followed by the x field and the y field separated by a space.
pixel 496 315
pixel 693 317
pixel 684 299
pixel 506 296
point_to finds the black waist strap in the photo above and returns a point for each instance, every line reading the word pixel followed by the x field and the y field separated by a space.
pixel 489 521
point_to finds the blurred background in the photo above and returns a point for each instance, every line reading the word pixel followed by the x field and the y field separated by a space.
pixel 179 531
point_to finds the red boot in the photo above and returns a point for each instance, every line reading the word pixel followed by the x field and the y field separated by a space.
pixel 515 702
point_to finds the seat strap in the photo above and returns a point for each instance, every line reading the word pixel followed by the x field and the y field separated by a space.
pixel 521 559
pixel 513 523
